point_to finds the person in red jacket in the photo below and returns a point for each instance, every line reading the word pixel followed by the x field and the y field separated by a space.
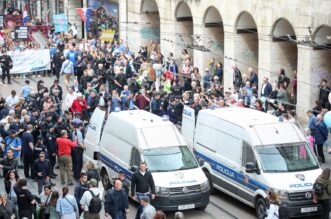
pixel 79 104
pixel 65 161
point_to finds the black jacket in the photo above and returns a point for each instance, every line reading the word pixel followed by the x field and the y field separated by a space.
pixel 142 183
pixel 8 164
pixel 42 167
pixel 24 198
pixel 116 201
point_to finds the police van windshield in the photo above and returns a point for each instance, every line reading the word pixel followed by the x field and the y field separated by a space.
pixel 169 159
pixel 286 158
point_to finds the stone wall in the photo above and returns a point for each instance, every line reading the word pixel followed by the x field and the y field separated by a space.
pixel 246 50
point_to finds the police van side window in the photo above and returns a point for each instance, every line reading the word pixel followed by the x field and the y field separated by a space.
pixel 248 154
pixel 135 157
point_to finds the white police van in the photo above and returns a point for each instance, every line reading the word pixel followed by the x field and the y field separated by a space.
pixel 247 153
pixel 129 137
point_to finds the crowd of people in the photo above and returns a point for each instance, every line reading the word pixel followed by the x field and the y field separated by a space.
pixel 43 128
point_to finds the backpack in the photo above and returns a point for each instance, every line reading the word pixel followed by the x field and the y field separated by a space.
pixel 95 203
pixel 318 189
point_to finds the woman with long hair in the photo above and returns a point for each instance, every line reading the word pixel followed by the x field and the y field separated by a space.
pixel 52 205
pixel 10 181
pixel 66 206
pixel 273 211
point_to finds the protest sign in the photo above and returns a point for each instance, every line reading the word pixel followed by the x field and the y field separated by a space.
pixel 60 22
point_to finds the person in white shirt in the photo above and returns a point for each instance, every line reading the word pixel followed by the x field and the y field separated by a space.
pixel 87 197
pixel 67 70
pixel 69 99
pixel 273 211
pixel 12 100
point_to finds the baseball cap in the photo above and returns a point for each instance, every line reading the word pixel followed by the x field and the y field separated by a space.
pixel 93 182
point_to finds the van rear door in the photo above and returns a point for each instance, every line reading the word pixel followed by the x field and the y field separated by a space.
pixel 188 125
pixel 93 135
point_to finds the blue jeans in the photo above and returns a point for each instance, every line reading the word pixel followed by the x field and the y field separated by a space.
pixel 120 215
pixel 141 208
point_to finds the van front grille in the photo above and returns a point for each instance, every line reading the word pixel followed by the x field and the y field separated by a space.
pixel 184 190
pixel 301 196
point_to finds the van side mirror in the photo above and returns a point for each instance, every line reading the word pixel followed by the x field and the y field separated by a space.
pixel 250 167
pixel 201 162
pixel 96 156
pixel 134 169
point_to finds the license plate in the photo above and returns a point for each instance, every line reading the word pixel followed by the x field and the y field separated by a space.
pixel 185 207
pixel 310 209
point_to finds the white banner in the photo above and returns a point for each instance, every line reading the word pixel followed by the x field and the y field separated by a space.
pixel 30 61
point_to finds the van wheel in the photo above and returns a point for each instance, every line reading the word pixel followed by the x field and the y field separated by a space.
pixel 105 179
pixel 211 191
pixel 260 207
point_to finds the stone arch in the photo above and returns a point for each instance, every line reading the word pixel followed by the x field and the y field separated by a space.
pixel 246 44
pixel 150 18
pixel 282 28
pixel 213 37
pixel 322 35
pixel 183 29
pixel 285 51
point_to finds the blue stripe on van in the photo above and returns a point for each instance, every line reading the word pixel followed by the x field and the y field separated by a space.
pixel 232 174
pixel 114 166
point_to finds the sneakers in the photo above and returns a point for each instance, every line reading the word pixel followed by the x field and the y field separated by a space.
pixel 70 183
pixel 63 182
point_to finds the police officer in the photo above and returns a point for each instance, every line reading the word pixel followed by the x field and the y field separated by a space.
pixel 42 170
pixel 171 111
pixel 45 123
pixel 50 142
pixel 77 152
pixel 40 147
pixel 125 182
pixel 6 64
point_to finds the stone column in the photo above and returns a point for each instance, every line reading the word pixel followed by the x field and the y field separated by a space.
pixel 229 51
pixel 313 66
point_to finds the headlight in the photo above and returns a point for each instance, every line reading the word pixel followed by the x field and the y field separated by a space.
pixel 205 186
pixel 161 191
pixel 281 194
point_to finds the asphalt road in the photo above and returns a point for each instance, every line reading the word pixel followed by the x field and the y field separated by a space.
pixel 221 205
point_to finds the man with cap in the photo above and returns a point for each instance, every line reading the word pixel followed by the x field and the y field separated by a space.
pixel 85 201
pixel 171 111
pixel 50 142
pixel 40 147
pixel 116 201
pixel 148 210
pixel 42 170
pixel 27 149
pixel 14 143
pixel 6 64
pixel 8 163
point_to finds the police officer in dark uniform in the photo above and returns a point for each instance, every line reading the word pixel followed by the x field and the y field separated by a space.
pixel 45 123
pixel 171 111
pixel 50 142
pixel 60 125
pixel 40 147
pixel 77 152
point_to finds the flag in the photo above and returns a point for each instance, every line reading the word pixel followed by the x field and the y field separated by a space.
pixel 25 15
pixel 85 14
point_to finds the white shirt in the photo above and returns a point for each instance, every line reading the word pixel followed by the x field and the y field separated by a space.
pixel 273 212
pixel 87 197
pixel 70 99
pixel 12 101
